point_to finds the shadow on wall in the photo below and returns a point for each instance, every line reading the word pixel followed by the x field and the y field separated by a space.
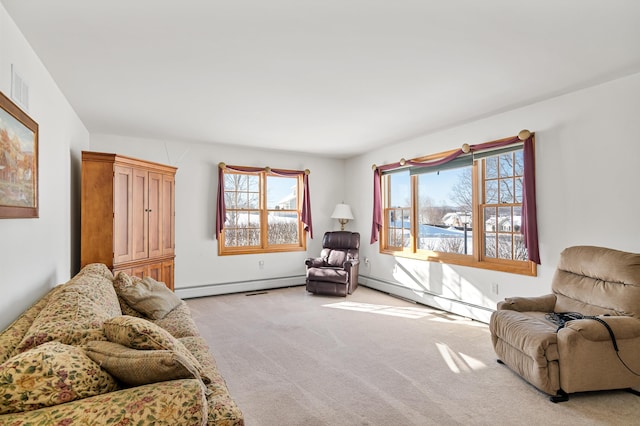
pixel 16 305
pixel 441 283
pixel 75 201
pixel 212 204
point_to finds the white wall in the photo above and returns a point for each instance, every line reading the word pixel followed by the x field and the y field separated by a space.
pixel 37 254
pixel 587 149
pixel 199 269
pixel 587 152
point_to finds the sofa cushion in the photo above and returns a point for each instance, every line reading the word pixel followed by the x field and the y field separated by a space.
pixel 95 281
pixel 50 374
pixel 179 322
pixel 122 280
pixel 149 297
pixel 170 403
pixel 96 269
pixel 135 367
pixel 75 311
pixel 138 333
pixel 14 333
pixel 69 317
pixel 529 332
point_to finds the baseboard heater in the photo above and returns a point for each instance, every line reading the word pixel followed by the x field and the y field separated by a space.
pixel 239 287
pixel 424 297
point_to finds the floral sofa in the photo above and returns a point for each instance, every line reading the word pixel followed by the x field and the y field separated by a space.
pixel 83 355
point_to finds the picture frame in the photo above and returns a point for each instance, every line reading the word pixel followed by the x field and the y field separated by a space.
pixel 18 162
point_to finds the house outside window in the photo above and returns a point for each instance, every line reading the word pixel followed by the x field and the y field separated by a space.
pixel 466 212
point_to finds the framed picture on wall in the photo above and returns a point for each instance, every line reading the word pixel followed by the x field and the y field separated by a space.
pixel 18 162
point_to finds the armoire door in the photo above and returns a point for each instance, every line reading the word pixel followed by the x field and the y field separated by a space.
pixel 140 203
pixel 155 209
pixel 122 214
pixel 168 215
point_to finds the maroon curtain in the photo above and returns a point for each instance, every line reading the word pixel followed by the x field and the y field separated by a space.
pixel 306 207
pixel 377 207
pixel 376 225
pixel 529 226
pixel 221 211
pixel 305 216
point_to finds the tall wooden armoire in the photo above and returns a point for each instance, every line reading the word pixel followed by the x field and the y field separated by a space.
pixel 128 215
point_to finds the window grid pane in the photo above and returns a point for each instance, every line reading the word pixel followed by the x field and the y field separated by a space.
pixel 399 226
pixel 502 206
pixel 240 228
pixel 282 227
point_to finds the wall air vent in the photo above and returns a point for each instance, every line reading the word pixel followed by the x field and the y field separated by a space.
pixel 19 89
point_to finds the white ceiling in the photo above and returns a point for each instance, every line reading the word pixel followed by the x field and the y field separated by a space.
pixel 328 77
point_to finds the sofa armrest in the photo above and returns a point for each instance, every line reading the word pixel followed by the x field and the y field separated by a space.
pixel 622 327
pixel 175 402
pixel 544 303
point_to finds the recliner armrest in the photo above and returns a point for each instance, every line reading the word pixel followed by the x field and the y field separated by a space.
pixel 351 263
pixel 544 303
pixel 622 327
pixel 316 262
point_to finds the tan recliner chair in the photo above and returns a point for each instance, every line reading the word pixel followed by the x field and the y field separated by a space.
pixel 335 272
pixel 580 355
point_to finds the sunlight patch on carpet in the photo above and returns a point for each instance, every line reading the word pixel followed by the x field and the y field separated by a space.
pixel 457 361
pixel 410 312
pixel 396 311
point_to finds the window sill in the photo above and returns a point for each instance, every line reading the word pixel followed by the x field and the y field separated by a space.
pixel 246 250
pixel 514 267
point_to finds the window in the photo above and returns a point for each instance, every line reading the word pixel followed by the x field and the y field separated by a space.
pixel 262 211
pixel 501 206
pixel 467 211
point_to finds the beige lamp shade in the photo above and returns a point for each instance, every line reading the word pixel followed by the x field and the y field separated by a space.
pixel 342 212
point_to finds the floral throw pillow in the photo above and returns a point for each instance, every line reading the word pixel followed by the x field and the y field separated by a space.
pixel 50 374
pixel 138 333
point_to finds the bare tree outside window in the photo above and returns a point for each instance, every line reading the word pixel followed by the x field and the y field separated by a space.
pixel 242 196
pixel 444 202
pixel 462 191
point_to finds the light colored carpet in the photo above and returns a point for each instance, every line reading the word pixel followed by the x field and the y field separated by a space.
pixel 293 358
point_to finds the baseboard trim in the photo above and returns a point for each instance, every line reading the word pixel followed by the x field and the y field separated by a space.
pixel 423 297
pixel 455 306
pixel 238 287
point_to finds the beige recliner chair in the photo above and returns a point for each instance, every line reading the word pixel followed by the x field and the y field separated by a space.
pixel 584 354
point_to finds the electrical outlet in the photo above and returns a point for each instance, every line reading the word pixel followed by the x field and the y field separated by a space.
pixel 494 288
